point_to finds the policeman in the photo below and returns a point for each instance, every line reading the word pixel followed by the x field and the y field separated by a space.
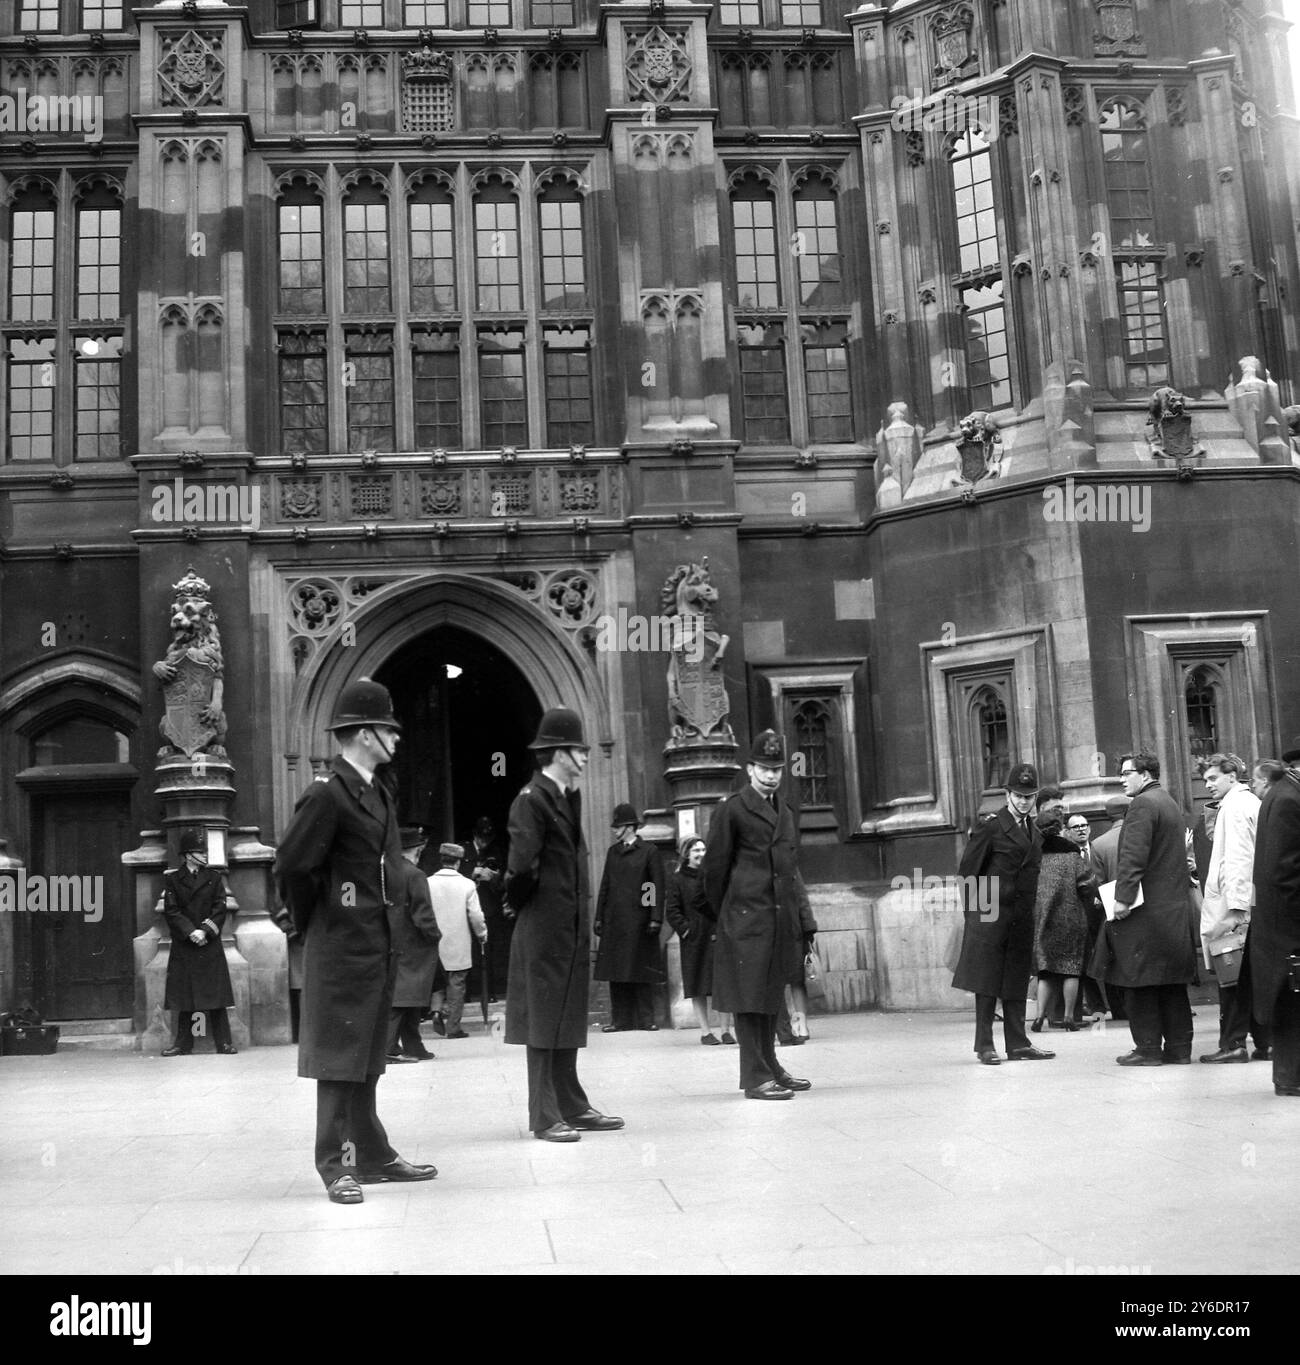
pixel 339 872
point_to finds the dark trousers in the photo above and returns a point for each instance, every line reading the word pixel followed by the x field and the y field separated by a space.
pixel 1013 1023
pixel 218 1027
pixel 631 1004
pixel 404 1032
pixel 349 1136
pixel 554 1091
pixel 756 1034
pixel 1236 1012
pixel 1286 1039
pixel 1159 1015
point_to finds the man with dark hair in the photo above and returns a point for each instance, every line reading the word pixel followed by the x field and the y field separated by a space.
pixel 764 920
pixel 339 872
pixel 999 868
pixel 1275 927
pixel 547 887
pixel 1150 940
pixel 195 903
pixel 629 914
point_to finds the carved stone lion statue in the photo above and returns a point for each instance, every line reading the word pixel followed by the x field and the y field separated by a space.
pixel 192 673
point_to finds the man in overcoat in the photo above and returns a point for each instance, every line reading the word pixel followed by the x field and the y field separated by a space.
pixel 415 943
pixel 629 915
pixel 339 872
pixel 547 888
pixel 456 904
pixel 195 903
pixel 999 869
pixel 1275 925
pixel 1151 953
pixel 764 920
pixel 484 864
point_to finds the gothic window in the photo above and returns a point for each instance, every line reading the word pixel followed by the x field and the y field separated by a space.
pixel 365 251
pixel 567 376
pixel 297 14
pixel 503 390
pixel 435 373
pixel 989 714
pixel 980 282
pixel 563 268
pixel 369 391
pixel 433 250
pixel 764 404
pixel 79 739
pixel 302 254
pixel 812 727
pixel 1201 693
pixel 100 15
pixel 740 13
pixel 425 14
pixel 496 249
pixel 551 13
pixel 789 292
pixel 62 367
pixel 487 13
pixel 304 394
pixel 38 16
pixel 801 13
pixel 361 13
pixel 1136 256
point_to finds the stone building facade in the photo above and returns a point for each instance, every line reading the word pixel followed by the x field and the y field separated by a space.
pixel 932 367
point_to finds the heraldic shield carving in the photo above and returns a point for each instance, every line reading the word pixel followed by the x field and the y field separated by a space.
pixel 697 697
pixel 192 675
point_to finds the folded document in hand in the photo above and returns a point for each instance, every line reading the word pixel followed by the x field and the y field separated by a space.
pixel 1107 893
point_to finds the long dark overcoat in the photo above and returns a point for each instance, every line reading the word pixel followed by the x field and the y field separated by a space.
pixel 548 886
pixel 1155 945
pixel 415 941
pixel 197 977
pixel 753 883
pixel 1275 922
pixel 689 912
pixel 1062 900
pixel 490 901
pixel 630 902
pixel 997 945
pixel 338 866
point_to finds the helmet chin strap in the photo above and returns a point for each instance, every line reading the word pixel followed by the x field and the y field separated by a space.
pixel 379 739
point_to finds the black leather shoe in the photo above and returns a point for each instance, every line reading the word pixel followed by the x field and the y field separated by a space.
pixel 559 1132
pixel 176 1052
pixel 769 1090
pixel 1176 1059
pixel 593 1121
pixel 1227 1054
pixel 1029 1054
pixel 1286 1089
pixel 1136 1058
pixel 397 1170
pixel 1037 1025
pixel 710 1040
pixel 345 1190
pixel 396 1057
pixel 613 1028
pixel 1262 1054
pixel 989 1057
pixel 729 1040
pixel 649 1028
pixel 228 1050
pixel 459 1033
pixel 793 1082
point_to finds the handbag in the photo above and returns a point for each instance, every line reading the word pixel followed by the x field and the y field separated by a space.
pixel 1227 966
pixel 814 976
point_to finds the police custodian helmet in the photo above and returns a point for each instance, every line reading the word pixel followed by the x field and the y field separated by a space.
pixel 560 729
pixel 364 702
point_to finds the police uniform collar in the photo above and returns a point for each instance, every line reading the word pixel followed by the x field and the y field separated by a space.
pixel 765 807
pixel 367 778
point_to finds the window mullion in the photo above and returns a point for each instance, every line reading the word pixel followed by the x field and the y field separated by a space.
pixel 795 383
pixel 466 295
pixel 399 253
pixel 530 271
pixel 334 282
pixel 65 363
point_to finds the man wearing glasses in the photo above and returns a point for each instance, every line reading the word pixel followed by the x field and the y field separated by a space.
pixel 1150 938
pixel 1001 863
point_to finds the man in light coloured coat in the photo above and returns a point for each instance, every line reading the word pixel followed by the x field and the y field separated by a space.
pixel 1229 894
pixel 455 904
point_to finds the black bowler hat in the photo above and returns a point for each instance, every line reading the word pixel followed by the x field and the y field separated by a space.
pixel 560 729
pixel 1023 779
pixel 364 702
pixel 768 749
pixel 1293 752
pixel 624 814
pixel 193 841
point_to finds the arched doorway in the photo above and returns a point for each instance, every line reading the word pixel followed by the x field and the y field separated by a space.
pixel 468 716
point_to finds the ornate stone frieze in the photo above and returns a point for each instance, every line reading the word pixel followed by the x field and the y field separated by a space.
pixel 191 69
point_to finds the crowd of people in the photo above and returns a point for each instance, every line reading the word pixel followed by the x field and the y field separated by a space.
pixel 1112 926
pixel 1118 926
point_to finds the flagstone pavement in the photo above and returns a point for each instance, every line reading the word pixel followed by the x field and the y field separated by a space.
pixel 906 1156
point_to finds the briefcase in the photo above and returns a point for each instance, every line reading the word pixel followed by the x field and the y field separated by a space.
pixel 1227 967
pixel 29 1040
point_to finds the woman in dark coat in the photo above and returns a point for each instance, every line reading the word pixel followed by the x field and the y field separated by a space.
pixel 1066 887
pixel 415 945
pixel 692 917
pixel 629 913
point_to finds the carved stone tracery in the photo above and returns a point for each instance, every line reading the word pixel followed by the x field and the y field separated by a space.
pixel 192 69
pixel 658 66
